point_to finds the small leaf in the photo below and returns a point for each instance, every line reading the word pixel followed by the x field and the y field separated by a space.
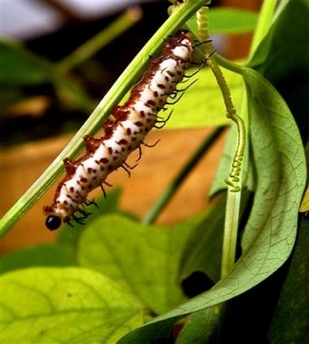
pixel 143 259
pixel 71 305
pixel 202 103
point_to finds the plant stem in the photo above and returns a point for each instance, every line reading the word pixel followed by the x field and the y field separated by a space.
pixel 96 43
pixel 173 187
pixel 229 65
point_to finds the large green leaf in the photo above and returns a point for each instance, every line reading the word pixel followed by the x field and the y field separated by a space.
pixel 271 231
pixel 71 305
pixel 279 160
pixel 144 259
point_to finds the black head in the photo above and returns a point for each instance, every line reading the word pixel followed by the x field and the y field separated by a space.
pixel 53 222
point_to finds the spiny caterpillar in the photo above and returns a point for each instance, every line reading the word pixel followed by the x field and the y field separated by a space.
pixel 122 135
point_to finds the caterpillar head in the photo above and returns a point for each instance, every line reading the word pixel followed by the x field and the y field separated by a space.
pixel 53 222
pixel 54 217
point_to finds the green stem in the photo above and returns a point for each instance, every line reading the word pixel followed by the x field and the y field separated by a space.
pixel 96 43
pixel 101 112
pixel 173 187
pixel 229 65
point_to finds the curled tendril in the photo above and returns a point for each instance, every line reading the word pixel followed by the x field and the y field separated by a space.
pixel 234 175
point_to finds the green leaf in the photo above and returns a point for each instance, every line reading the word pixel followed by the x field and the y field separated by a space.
pixel 202 103
pixel 290 321
pixel 279 161
pixel 144 259
pixel 271 231
pixel 40 255
pixel 71 305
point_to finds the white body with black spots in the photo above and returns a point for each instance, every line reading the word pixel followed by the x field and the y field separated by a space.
pixel 132 121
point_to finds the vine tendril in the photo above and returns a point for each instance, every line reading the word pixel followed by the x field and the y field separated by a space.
pixel 234 177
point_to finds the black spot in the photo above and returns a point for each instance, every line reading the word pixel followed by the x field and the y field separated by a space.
pixel 196 283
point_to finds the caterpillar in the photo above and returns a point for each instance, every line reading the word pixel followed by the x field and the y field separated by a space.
pixel 121 135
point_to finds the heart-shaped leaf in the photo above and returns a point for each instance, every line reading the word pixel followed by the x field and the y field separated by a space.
pixel 144 259
pixel 71 305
